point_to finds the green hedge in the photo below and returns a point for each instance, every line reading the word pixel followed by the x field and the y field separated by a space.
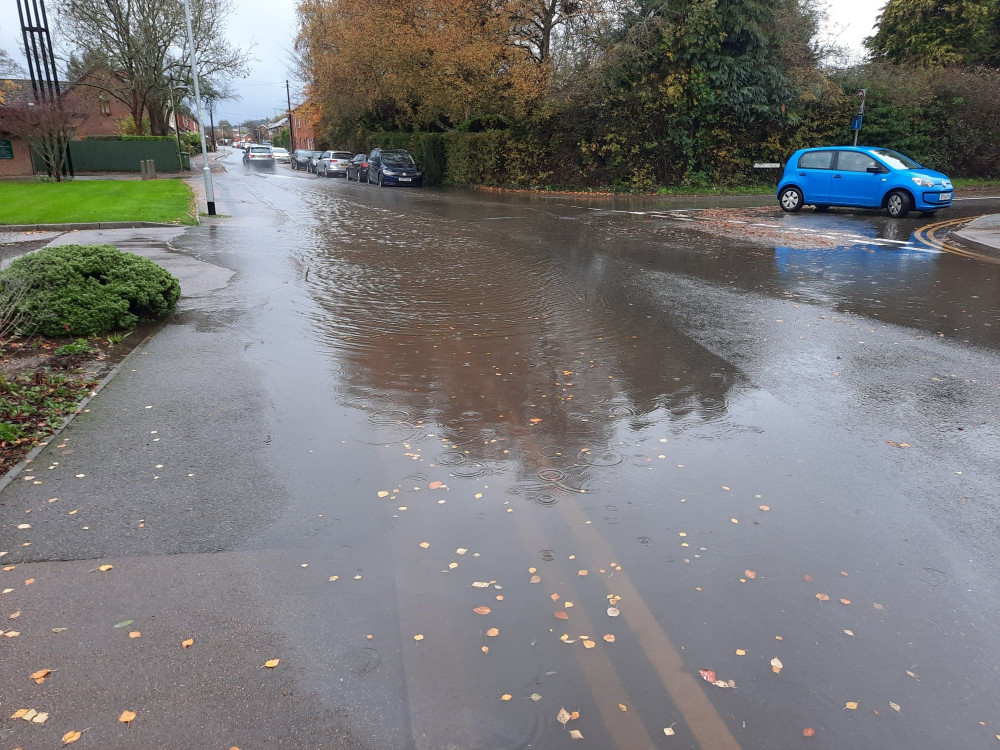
pixel 127 138
pixel 86 290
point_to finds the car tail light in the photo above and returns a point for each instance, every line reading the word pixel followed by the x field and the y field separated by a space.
pixel 364 164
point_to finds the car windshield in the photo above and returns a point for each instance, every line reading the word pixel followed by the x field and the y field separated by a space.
pixel 895 159
pixel 397 159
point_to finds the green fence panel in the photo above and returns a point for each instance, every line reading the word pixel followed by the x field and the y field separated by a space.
pixel 119 156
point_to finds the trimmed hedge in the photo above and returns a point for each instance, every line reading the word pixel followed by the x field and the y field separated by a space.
pixel 127 138
pixel 86 290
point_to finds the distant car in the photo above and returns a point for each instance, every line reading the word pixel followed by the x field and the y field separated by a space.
pixel 259 157
pixel 281 155
pixel 300 158
pixel 393 167
pixel 314 160
pixel 266 143
pixel 333 164
pixel 862 176
pixel 358 166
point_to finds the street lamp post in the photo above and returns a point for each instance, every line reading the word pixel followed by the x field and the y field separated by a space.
pixel 209 190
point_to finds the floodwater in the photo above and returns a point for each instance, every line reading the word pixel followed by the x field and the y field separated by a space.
pixel 535 454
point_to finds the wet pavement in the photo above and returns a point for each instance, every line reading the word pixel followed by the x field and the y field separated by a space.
pixel 461 460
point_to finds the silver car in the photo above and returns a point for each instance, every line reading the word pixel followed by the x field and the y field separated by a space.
pixel 259 157
pixel 281 155
pixel 333 163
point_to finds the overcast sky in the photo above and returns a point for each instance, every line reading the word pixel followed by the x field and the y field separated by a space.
pixel 268 27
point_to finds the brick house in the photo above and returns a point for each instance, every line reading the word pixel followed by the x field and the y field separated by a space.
pixel 302 127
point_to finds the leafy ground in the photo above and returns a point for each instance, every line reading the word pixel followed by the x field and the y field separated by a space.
pixel 95 200
pixel 43 380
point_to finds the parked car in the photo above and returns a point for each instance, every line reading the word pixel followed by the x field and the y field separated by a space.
pixel 300 158
pixel 333 164
pixel 358 166
pixel 393 167
pixel 281 155
pixel 862 176
pixel 259 157
pixel 313 160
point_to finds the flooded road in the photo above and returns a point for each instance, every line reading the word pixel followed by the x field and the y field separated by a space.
pixel 567 457
pixel 517 455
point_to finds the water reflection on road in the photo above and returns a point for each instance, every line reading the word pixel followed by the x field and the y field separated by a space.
pixel 635 452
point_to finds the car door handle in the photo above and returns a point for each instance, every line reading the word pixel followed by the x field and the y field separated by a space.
pixel 802 174
pixel 836 177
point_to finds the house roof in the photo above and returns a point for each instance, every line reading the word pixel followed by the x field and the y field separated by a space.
pixel 18 90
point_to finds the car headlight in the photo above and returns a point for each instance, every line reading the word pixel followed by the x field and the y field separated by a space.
pixel 923 182
pixel 388 173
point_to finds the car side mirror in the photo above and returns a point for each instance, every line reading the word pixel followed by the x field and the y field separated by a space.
pixel 875 170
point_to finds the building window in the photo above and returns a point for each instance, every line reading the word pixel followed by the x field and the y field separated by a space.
pixel 106 109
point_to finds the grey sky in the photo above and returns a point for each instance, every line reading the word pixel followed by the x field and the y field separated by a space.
pixel 270 26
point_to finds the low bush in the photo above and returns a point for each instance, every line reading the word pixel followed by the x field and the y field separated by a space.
pixel 85 290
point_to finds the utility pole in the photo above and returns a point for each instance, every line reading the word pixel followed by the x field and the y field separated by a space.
pixel 177 131
pixel 206 171
pixel 291 129
pixel 211 119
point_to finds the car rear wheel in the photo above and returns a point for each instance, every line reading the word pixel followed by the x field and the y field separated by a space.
pixel 898 204
pixel 791 199
pixel 380 184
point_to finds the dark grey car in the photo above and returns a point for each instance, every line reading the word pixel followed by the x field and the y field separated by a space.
pixel 358 168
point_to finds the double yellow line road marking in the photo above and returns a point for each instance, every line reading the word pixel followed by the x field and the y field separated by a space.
pixel 934 235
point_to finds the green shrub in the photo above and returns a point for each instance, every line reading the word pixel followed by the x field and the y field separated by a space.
pixel 80 346
pixel 85 290
pixel 148 138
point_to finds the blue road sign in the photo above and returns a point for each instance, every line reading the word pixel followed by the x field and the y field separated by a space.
pixel 856 122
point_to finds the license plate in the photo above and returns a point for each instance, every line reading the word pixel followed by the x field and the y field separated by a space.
pixel 405 179
pixel 945 196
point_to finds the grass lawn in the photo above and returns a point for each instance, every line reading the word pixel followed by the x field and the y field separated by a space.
pixel 95 200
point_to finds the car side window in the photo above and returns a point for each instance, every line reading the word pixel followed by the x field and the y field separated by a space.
pixel 816 160
pixel 855 161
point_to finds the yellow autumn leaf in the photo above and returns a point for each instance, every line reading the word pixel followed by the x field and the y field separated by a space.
pixel 589 643
pixel 669 731
pixel 562 717
pixel 609 637
pixel 188 643
pixel 41 674
pixel 776 665
pixel 383 493
pixel 19 713
pixel 582 572
pixel 493 632
pixel 623 708
pixel 576 734
pixel 823 597
pixel 105 568
pixel 272 663
pixel 895 707
pixel 852 705
pixel 482 610
pixel 485 649
pixel 71 736
pixel 418 637
pixel 425 545
pixel 740 652
pixel 506 697
pixel 126 717
pixel 135 634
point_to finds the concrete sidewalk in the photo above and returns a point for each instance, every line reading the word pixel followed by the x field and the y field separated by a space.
pixel 983 233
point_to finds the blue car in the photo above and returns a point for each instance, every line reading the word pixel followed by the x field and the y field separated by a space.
pixel 864 177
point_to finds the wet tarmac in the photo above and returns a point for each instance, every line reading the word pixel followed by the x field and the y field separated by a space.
pixel 499 455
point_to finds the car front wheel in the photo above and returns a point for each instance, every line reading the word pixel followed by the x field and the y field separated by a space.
pixel 380 183
pixel 791 199
pixel 898 204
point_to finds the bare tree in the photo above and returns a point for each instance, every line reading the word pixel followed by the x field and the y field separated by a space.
pixel 8 67
pixel 140 46
pixel 48 125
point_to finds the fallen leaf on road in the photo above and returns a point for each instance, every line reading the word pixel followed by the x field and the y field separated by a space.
pixel 613 612
pixel 707 674
pixel 535 697
pixel 126 717
pixel 776 665
pixel 582 572
pixel 851 705
pixel 560 615
pixel 765 507
pixel 808 732
pixel 24 526
pixel 272 663
pixel 823 597
pixel 105 568
pixel 895 707
pixel 41 674
pixel 135 634
pixel 11 634
pixel 535 420
pixel 482 610
pixel 845 601
pixel 506 697
pixel 29 581
pixel 554 597
pixel 576 734
pixel 807 578
pixel 849 632
pixel 485 649
pixel 334 578
pixel 59 630
pixel 623 708
pixel 480 584
pixel 123 624
pixel 562 717
pixel 750 574
pixel 609 637
pixel 493 632
pixel 383 493
pixel 425 545
pixel 589 643
pixel 878 606
pixel 418 637
pixel 535 579
pixel 669 731
pixel 39 718
pixel 184 644
pixel 71 736
pixel 19 713
pixel 740 652
pixel 436 485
